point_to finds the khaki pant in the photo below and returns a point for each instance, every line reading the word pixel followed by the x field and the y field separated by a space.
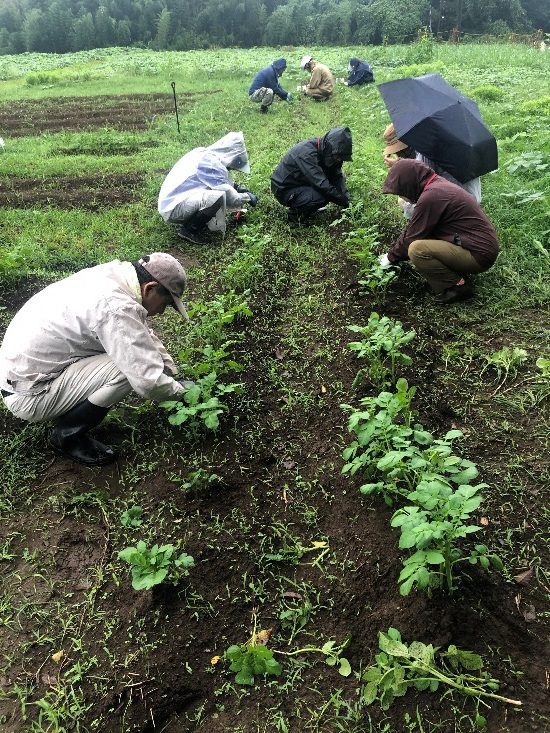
pixel 441 263
pixel 94 378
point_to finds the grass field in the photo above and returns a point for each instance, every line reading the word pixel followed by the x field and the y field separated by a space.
pixel 282 540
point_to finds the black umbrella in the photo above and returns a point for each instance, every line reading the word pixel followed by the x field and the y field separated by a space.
pixel 436 120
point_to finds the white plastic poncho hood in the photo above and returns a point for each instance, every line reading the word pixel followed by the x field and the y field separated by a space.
pixel 201 177
pixel 231 150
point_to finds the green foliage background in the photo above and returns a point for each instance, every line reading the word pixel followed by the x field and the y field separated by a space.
pixel 73 25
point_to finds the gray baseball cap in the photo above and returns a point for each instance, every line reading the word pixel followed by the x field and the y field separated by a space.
pixel 168 272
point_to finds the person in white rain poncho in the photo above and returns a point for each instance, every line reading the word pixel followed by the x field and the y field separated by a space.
pixel 198 190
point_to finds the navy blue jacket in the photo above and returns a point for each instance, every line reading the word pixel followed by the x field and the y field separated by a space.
pixel 361 73
pixel 269 78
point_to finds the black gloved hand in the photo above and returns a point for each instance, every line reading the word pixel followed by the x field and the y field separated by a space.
pixel 240 189
pixel 253 199
pixel 342 201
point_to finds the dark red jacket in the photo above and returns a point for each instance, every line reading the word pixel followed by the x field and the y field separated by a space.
pixel 443 211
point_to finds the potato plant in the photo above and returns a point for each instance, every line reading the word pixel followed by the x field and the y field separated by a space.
pixel 400 667
pixel 381 344
pixel 205 359
pixel 251 660
pixel 201 405
pixel 434 524
pixel 151 566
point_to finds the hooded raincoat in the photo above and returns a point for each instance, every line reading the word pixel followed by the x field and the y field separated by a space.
pixel 443 211
pixel 269 78
pixel 359 72
pixel 316 162
pixel 200 179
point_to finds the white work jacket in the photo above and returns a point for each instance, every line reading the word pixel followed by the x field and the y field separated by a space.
pixel 95 311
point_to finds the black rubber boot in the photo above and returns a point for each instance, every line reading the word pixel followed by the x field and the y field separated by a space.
pixel 194 229
pixel 455 294
pixel 195 236
pixel 69 436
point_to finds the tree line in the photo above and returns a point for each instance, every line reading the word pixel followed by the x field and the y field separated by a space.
pixel 60 26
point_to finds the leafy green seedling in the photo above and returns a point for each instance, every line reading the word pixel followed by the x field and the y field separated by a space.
pixel 400 666
pixel 151 567
pixel 201 405
pixel 252 659
pixel 543 363
pixel 382 341
pixel 332 653
pixel 132 517
pixel 199 480
pixel 434 525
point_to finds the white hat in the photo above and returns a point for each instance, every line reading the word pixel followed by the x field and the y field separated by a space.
pixel 305 61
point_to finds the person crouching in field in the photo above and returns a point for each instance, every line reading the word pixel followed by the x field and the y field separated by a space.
pixel 321 82
pixel 448 237
pixel 266 84
pixel 310 175
pixel 82 344
pixel 359 72
pixel 198 189
pixel 399 149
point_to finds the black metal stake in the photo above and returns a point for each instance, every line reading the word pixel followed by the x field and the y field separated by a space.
pixel 173 84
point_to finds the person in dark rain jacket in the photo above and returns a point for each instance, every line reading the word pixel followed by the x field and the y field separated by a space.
pixel 448 237
pixel 359 72
pixel 266 84
pixel 310 174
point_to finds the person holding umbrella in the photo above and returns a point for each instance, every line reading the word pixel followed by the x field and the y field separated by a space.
pixel 444 127
pixel 448 237
pixel 400 149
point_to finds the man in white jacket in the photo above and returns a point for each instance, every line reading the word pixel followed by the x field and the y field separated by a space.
pixel 83 344
pixel 198 189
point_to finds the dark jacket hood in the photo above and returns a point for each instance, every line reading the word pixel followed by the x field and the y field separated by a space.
pixel 279 65
pixel 338 142
pixel 407 178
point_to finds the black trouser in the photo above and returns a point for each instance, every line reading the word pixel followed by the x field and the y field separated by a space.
pixel 201 218
pixel 303 199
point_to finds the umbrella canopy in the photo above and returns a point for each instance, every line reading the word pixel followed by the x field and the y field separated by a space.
pixel 436 120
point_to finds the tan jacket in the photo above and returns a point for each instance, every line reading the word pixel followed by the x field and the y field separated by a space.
pixel 94 311
pixel 321 83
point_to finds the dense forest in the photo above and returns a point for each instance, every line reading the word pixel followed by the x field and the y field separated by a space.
pixel 74 25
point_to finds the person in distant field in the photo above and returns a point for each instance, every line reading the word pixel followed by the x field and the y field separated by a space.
pixel 321 82
pixel 82 344
pixel 359 72
pixel 448 237
pixel 198 189
pixel 400 149
pixel 310 175
pixel 266 84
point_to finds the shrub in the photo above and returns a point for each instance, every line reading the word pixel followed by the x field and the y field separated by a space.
pixel 488 93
